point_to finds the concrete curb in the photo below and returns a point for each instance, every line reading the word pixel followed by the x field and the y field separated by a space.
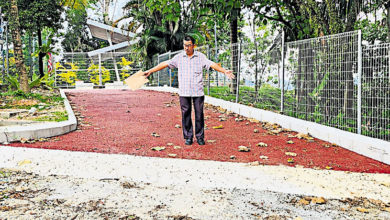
pixel 370 147
pixel 42 130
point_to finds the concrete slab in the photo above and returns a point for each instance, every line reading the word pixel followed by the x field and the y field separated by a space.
pixel 83 85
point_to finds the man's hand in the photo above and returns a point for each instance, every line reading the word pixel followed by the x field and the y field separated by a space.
pixel 147 73
pixel 229 73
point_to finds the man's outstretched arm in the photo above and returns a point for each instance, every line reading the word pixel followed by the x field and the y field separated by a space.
pixel 218 68
pixel 159 67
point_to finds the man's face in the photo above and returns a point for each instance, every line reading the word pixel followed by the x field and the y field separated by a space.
pixel 188 47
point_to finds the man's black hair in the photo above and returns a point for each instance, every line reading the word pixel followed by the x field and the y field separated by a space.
pixel 189 38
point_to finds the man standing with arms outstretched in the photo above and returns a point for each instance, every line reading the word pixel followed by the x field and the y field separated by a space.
pixel 190 66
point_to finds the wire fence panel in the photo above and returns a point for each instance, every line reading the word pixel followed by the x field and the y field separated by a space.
pixel 328 80
pixel 259 76
pixel 98 69
pixel 321 80
pixel 165 77
pixel 376 91
pixel 220 86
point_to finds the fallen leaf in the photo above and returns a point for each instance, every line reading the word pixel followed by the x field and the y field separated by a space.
pixel 238 119
pixel 176 147
pixel 177 126
pixel 5 208
pixel 328 167
pixel 243 149
pixel 263 157
pixel 23 140
pixel 290 160
pixel 318 200
pixel 170 144
pixel 277 131
pixel 172 155
pixel 218 127
pixel 158 114
pixel 291 154
pixel 291 136
pixel 211 141
pixel 154 134
pixel 303 202
pixel 24 162
pixel 256 130
pixel 253 120
pixel 158 148
pixel 261 144
pixel 255 163
pixel 386 184
pixel 362 210
pixel 290 142
pixel 304 136
pixel 232 157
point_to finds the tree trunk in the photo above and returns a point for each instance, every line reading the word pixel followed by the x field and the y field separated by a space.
pixel 40 55
pixel 388 22
pixel 256 72
pixel 16 38
pixel 233 41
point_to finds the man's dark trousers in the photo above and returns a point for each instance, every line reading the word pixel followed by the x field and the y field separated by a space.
pixel 185 105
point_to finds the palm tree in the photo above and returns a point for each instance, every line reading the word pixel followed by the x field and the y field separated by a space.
pixel 16 39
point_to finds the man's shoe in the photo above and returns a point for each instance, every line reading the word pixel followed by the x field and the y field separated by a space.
pixel 188 141
pixel 201 142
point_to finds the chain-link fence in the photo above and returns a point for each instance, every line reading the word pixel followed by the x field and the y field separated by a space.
pixel 329 80
pixel 99 69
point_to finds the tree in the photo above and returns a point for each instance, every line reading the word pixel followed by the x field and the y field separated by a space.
pixel 34 16
pixel 16 38
pixel 165 23
pixel 76 37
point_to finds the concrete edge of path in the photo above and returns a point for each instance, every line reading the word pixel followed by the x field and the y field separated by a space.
pixel 41 130
pixel 370 147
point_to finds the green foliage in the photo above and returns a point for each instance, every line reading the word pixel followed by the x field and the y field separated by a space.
pixel 56 116
pixel 13 82
pixel 67 75
pixel 125 68
pixel 93 71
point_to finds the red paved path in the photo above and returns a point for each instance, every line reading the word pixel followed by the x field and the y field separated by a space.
pixel 121 121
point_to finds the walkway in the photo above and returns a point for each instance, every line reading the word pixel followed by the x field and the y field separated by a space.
pixel 126 122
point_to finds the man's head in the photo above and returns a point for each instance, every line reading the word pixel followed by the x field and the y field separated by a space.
pixel 188 44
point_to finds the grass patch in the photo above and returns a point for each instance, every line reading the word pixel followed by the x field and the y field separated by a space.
pixel 20 100
pixel 55 116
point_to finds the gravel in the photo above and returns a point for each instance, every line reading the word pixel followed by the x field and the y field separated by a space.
pixel 54 184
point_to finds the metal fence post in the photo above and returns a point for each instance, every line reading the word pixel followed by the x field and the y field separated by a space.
pixel 170 71
pixel 359 101
pixel 208 72
pixel 238 73
pixel 282 79
pixel 100 70
pixel 158 73
pixel 216 51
